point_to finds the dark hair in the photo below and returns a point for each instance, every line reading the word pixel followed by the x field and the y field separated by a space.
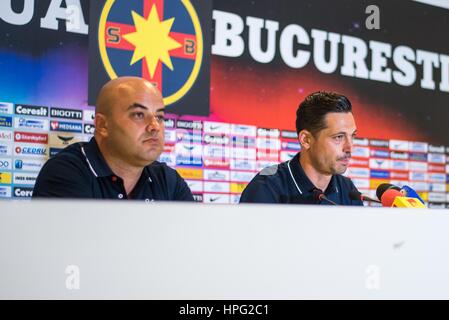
pixel 311 112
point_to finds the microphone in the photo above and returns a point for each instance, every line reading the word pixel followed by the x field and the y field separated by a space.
pixel 409 192
pixel 384 187
pixel 390 196
pixel 319 196
pixel 356 195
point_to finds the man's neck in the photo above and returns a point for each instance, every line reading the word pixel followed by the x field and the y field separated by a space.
pixel 129 174
pixel 318 179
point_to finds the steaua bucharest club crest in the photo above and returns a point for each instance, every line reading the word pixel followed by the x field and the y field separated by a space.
pixel 159 40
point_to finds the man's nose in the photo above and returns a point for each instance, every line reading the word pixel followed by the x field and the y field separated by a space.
pixel 153 124
pixel 349 143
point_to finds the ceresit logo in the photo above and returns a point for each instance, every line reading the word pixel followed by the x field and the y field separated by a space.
pixel 31 110
pixel 134 27
pixel 23 192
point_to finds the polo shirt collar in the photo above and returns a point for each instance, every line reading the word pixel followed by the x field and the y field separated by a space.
pixel 304 182
pixel 95 159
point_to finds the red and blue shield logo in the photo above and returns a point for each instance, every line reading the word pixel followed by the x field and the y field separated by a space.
pixel 159 40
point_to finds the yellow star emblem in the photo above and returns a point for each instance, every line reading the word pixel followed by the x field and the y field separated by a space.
pixel 152 40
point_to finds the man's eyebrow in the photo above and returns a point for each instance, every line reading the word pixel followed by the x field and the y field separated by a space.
pixel 137 105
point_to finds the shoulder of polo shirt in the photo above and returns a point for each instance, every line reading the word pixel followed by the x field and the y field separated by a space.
pixel 269 171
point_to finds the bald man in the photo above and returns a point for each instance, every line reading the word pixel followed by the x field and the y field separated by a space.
pixel 120 161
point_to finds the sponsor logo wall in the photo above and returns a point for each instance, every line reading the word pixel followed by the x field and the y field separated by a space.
pixel 216 159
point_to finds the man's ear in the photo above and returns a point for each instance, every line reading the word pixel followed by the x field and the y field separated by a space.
pixel 305 139
pixel 101 125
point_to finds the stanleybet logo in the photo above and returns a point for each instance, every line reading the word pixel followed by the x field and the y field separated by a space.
pixel 161 41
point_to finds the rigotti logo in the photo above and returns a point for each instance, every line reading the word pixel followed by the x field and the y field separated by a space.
pixel 5 178
pixel 23 192
pixel 5 164
pixel 25 178
pixel 30 151
pixel 5 192
pixel 31 137
pixel 66 113
pixel 6 108
pixel 192 125
pixel 66 126
pixel 35 111
pixel 5 150
pixel 5 135
pixel 27 123
pixel 28 164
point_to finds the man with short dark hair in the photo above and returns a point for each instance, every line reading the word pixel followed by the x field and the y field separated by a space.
pixel 120 162
pixel 326 129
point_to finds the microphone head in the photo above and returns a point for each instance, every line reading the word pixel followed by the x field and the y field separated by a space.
pixel 388 197
pixel 355 195
pixel 384 187
pixel 409 192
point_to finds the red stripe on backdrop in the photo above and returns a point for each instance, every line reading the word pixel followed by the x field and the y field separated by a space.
pixel 122 30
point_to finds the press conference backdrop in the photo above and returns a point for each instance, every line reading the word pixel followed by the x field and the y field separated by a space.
pixel 236 74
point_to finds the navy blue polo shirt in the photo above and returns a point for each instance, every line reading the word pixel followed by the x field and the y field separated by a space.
pixel 80 171
pixel 288 183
